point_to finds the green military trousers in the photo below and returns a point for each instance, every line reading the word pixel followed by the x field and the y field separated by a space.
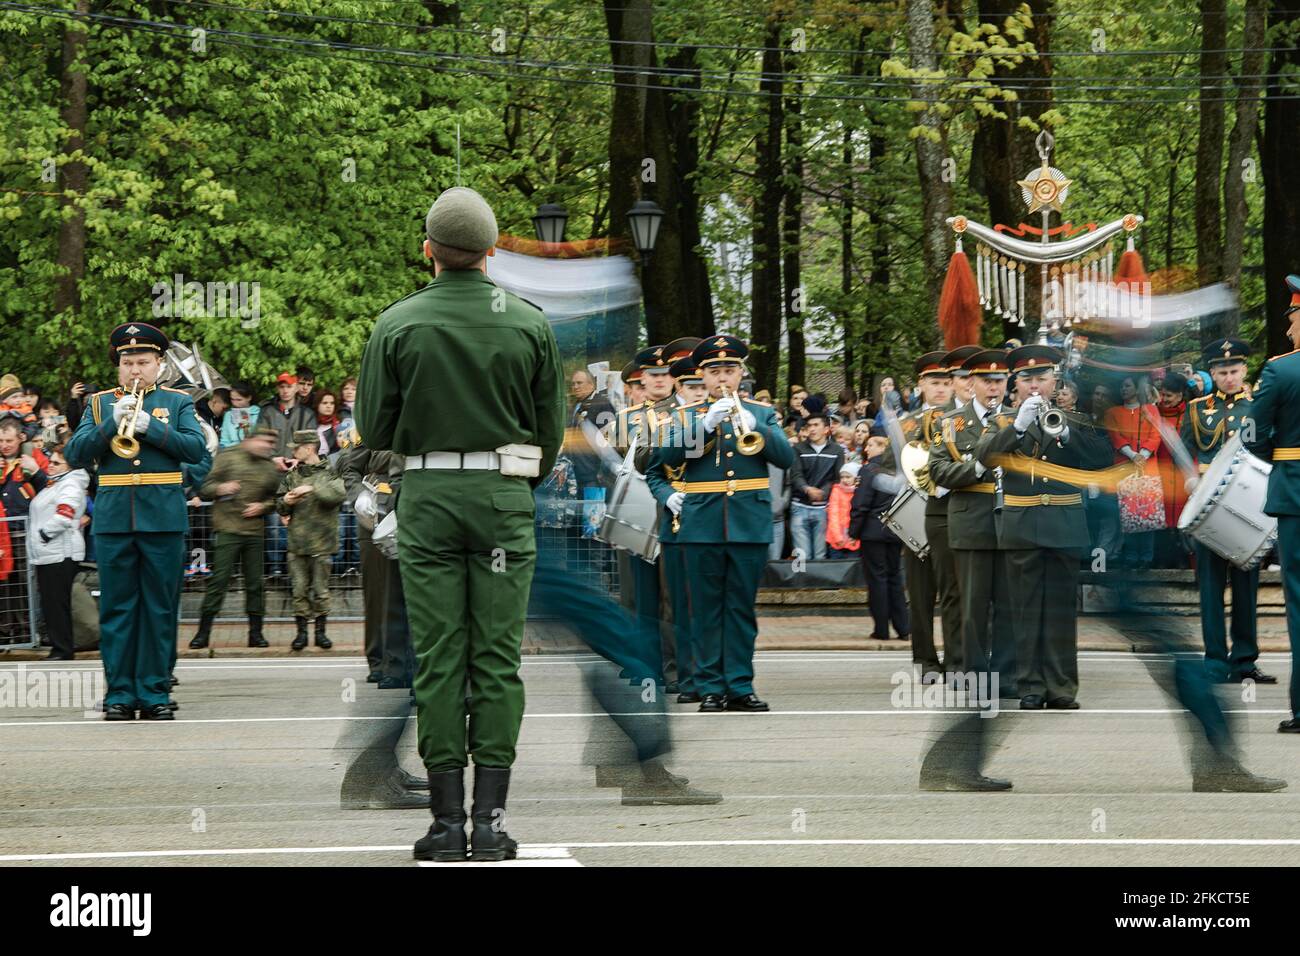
pixel 467 550
pixel 231 551
pixel 140 577
pixel 1045 619
pixel 724 587
pixel 309 577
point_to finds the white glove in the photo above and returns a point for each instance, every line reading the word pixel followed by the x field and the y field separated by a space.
pixel 123 407
pixel 1028 413
pixel 675 500
pixel 717 412
pixel 750 421
pixel 1064 437
pixel 979 470
pixel 1127 452
pixel 1191 483
pixel 1145 453
pixel 142 424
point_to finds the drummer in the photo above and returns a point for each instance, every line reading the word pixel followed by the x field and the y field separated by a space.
pixel 1211 421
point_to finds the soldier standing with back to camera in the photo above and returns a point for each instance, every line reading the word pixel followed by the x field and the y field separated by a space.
pixel 1210 422
pixel 465 537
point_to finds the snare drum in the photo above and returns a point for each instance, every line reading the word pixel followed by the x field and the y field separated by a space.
pixel 1225 512
pixel 631 519
pixel 906 518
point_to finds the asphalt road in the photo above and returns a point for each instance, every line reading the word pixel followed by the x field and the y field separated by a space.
pixel 251 771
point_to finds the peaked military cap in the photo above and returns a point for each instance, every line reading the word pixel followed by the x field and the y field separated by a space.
pixel 136 337
pixel 720 350
pixel 955 359
pixel 1224 350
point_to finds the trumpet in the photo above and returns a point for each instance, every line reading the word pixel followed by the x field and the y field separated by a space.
pixel 747 442
pixel 1051 420
pixel 124 443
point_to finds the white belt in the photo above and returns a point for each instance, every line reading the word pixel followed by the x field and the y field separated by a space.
pixel 477 460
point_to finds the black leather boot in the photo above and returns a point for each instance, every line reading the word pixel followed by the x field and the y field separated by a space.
pixel 255 638
pixel 300 639
pixel 489 841
pixel 445 841
pixel 204 634
pixel 322 641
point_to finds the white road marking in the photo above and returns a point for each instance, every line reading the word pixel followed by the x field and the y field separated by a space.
pixel 661 844
pixel 900 712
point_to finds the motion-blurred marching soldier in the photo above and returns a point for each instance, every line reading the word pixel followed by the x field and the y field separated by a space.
pixel 1211 420
pixel 1276 414
pixel 724 519
pixel 933 579
pixel 140 519
pixel 1043 531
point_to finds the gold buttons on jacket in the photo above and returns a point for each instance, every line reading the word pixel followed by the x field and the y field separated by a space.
pixel 136 461
pixel 730 474
pixel 729 454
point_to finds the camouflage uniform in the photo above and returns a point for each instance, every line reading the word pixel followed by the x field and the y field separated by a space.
pixel 313 534
pixel 238 540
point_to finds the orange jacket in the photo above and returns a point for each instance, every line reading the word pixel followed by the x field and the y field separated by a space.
pixel 837 518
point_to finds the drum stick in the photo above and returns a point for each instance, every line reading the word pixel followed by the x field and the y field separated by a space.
pixel 896 439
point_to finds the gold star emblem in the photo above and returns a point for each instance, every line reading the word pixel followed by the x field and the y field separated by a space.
pixel 1045 186
pixel 721 341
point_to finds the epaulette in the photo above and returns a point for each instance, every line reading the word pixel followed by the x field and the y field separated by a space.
pixel 1284 355
pixel 178 391
pixel 94 405
pixel 1204 398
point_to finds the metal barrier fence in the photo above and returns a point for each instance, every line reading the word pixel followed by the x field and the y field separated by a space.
pixel 564 536
pixel 17 609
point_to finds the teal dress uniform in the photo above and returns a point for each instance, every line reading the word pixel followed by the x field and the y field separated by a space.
pixel 1210 422
pixel 1276 411
pixel 724 528
pixel 139 526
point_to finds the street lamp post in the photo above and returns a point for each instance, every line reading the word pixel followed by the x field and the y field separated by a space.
pixel 549 222
pixel 645 217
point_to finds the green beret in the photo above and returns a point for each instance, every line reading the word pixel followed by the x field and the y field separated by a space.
pixel 462 219
pixel 305 436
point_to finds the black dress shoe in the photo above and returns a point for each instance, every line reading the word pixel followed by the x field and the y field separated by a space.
pixel 56 656
pixel 174 681
pixel 374 677
pixel 688 697
pixel 748 703
pixel 1062 703
pixel 978 783
pixel 119 712
pixel 393 683
pixel 1255 674
pixel 157 712
pixel 1291 726
pixel 1032 702
pixel 672 687
pixel 711 704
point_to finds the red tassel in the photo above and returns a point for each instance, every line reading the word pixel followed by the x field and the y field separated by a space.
pixel 1132 271
pixel 959 305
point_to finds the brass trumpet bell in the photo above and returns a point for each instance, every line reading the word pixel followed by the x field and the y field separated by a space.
pixel 124 444
pixel 747 442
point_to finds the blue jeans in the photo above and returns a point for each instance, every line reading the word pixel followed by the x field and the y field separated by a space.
pixel 808 529
pixel 778 540
pixel 277 543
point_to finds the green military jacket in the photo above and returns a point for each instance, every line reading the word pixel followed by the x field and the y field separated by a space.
pixel 143 493
pixel 1276 412
pixel 1210 421
pixel 1045 510
pixel 662 414
pixel 972 520
pixel 258 481
pixel 719 516
pixel 384 469
pixel 627 426
pixel 314 520
pixel 462 365
pixel 923 426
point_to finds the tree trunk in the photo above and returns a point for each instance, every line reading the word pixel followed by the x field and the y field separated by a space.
pixel 879 288
pixel 683 122
pixel 794 298
pixel 1002 152
pixel 1280 148
pixel 1209 153
pixel 765 319
pixel 851 359
pixel 931 151
pixel 1254 38
pixel 71 255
